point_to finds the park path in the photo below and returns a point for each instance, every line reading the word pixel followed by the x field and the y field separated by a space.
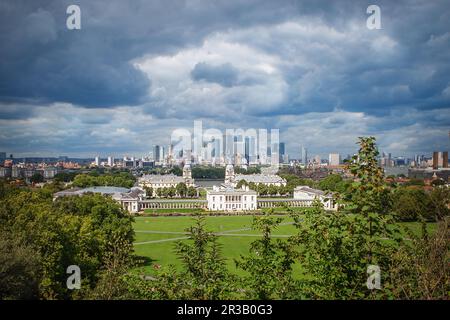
pixel 229 233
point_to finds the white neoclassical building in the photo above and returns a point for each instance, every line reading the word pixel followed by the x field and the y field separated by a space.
pixel 227 198
pixel 157 181
pixel 261 178
pixel 308 195
pixel 129 199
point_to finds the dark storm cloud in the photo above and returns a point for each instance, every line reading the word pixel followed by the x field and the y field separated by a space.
pixel 42 60
pixel 271 59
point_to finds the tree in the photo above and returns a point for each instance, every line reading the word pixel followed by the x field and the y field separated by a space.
pixel 269 264
pixel 262 189
pixel 420 270
pixel 148 192
pixel 410 204
pixel 171 192
pixel 181 189
pixel 439 203
pixel 337 247
pixel 241 183
pixel 272 190
pixel 333 254
pixel 37 178
pixel 330 183
pixel 20 271
pixel 68 231
pixel 368 195
pixel 191 192
pixel 205 274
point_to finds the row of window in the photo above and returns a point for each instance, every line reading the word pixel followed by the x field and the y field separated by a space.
pixel 232 198
pixel 233 206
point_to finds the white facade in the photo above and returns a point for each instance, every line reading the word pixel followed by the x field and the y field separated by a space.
pixel 308 194
pixel 230 199
pixel 263 178
pixel 157 181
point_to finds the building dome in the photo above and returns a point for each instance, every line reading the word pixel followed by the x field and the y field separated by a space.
pixel 229 174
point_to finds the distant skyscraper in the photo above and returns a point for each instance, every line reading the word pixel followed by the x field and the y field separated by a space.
pixel 304 155
pixel 282 150
pixel 2 155
pixel 445 159
pixel 111 161
pixel 156 153
pixel 435 160
pixel 97 161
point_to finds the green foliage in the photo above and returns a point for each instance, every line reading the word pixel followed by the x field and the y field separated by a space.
pixel 208 173
pixel 420 270
pixel 191 192
pixel 120 179
pixel 249 170
pixel 181 189
pixel 335 250
pixel 330 182
pixel 148 191
pixel 269 264
pixel 65 176
pixel 205 274
pixel 19 269
pixel 37 178
pixel 69 231
pixel 439 203
pixel 410 204
pixel 295 181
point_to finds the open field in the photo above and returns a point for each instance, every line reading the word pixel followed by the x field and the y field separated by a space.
pixel 156 236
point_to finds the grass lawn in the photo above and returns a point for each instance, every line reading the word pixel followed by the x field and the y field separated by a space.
pixel 156 236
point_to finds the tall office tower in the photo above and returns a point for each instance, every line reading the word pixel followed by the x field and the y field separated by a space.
pixel 2 155
pixel 111 161
pixel 240 145
pixel 445 159
pixel 156 153
pixel 229 146
pixel 334 159
pixel 162 155
pixel 304 155
pixel 282 150
pixel 247 149
pixel 97 161
pixel 252 150
pixel 435 160
pixel 217 148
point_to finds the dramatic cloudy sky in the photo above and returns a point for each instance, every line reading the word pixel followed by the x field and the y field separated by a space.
pixel 139 69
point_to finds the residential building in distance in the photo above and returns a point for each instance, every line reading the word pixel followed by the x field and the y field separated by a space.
pixel 50 172
pixel 227 198
pixel 334 159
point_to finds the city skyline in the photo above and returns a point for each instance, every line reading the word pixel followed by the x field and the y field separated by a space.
pixel 311 69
